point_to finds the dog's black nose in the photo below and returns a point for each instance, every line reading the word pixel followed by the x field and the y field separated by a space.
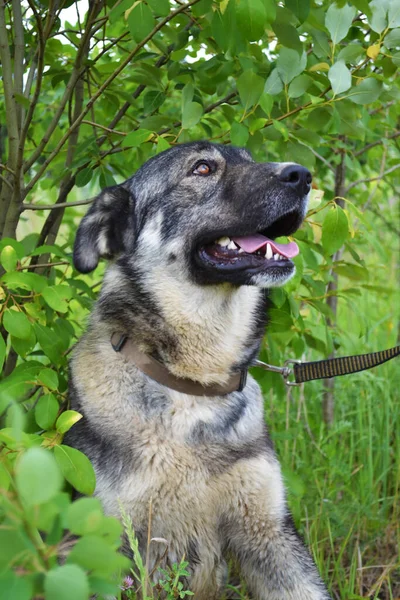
pixel 297 177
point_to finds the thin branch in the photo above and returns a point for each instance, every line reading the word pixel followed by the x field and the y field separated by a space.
pixel 382 107
pixel 316 154
pixel 369 179
pixel 75 76
pixel 45 265
pixel 19 49
pixel 377 143
pixel 5 180
pixel 55 206
pixel 7 168
pixel 99 92
pixel 207 110
pixel 53 221
pixel 12 116
pixel 104 128
pixel 39 77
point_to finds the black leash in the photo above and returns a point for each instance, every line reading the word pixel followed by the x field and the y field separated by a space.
pixel 331 367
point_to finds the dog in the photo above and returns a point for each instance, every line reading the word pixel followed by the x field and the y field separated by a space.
pixel 172 420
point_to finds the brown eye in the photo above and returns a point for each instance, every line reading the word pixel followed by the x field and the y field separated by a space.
pixel 202 169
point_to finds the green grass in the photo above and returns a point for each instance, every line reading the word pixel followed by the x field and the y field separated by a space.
pixel 344 483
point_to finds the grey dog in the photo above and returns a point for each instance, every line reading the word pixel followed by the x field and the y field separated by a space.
pixel 191 238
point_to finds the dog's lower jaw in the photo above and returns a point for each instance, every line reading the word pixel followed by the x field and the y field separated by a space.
pixel 267 281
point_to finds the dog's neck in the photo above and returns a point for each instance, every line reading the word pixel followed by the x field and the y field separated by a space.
pixel 204 333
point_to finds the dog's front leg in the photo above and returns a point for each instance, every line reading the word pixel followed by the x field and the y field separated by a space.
pixel 259 530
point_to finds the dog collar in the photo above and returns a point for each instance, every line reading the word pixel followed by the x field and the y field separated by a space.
pixel 157 371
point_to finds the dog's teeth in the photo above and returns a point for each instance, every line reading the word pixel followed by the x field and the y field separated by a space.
pixel 232 246
pixel 240 251
pixel 224 241
pixel 276 256
pixel 269 252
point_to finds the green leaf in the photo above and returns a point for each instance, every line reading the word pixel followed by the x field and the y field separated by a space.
pixel 351 53
pixel 250 87
pixel 338 21
pixel 140 21
pixel 187 94
pixel 66 582
pixel 239 134
pixel 46 411
pixel 84 516
pixel 93 554
pixel 340 77
pixel 299 85
pixel 119 9
pixel 48 378
pixel 27 281
pixel 394 14
pixel 378 19
pixel 191 114
pixel 289 64
pixel 300 8
pixel 18 246
pixel 14 587
pixel 335 229
pixel 76 468
pixel 273 85
pixel 162 145
pixel 367 92
pixel 17 323
pixel 251 18
pixel 37 476
pixel 281 127
pixel 159 7
pixel 288 36
pixel 52 347
pixel 152 100
pixel 67 419
pixel 8 258
pixel 136 138
pixel 392 40
pixel 84 177
pixel 56 297
pixel 266 102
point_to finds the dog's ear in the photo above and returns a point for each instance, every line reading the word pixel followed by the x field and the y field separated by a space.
pixel 105 229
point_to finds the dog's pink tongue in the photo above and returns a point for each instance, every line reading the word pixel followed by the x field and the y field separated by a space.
pixel 252 243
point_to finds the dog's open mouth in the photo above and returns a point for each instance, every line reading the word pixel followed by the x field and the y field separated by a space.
pixel 257 248
pixel 258 252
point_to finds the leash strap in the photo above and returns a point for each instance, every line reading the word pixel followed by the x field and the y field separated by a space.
pixel 303 372
pixel 333 367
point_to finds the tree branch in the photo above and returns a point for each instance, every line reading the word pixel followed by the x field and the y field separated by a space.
pixel 19 50
pixel 53 222
pixel 104 128
pixel 56 206
pixel 77 72
pixel 369 179
pixel 6 199
pixel 39 77
pixel 99 92
pixel 377 143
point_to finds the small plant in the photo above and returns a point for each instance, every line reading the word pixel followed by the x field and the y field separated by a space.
pixel 140 570
pixel 171 583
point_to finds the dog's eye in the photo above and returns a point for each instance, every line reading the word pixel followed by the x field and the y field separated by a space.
pixel 202 169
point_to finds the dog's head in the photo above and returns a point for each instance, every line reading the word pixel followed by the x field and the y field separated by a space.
pixel 204 208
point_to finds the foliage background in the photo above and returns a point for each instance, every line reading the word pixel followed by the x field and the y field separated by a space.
pixel 89 92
